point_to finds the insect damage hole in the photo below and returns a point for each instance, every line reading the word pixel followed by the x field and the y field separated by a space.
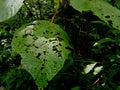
pixel 107 16
pixel 38 55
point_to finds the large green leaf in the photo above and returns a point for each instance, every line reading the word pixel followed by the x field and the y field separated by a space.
pixel 43 47
pixel 100 8
pixel 9 8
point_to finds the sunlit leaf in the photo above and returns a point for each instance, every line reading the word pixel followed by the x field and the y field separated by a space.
pixel 89 67
pixel 97 69
pixel 9 8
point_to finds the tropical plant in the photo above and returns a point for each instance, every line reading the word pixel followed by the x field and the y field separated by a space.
pixel 56 41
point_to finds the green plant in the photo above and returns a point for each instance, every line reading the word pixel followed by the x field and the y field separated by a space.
pixel 100 8
pixel 9 8
pixel 79 52
pixel 48 48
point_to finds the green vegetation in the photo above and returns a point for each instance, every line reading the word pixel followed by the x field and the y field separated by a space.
pixel 60 44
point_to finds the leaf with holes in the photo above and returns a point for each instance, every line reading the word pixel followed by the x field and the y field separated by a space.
pixel 100 8
pixel 9 8
pixel 44 47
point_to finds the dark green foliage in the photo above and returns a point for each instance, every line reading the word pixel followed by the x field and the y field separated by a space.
pixel 15 79
pixel 95 42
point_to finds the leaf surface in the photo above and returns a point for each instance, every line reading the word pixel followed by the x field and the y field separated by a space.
pixel 100 8
pixel 9 8
pixel 43 48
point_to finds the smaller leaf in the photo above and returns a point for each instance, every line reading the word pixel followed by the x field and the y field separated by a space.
pixel 98 22
pixel 76 88
pixel 104 40
pixel 89 67
pixel 118 88
pixel 0 58
pixel 97 70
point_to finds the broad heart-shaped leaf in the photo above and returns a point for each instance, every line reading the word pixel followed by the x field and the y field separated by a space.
pixel 9 8
pixel 100 8
pixel 44 47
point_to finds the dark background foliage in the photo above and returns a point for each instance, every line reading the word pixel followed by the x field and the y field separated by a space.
pixel 83 33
